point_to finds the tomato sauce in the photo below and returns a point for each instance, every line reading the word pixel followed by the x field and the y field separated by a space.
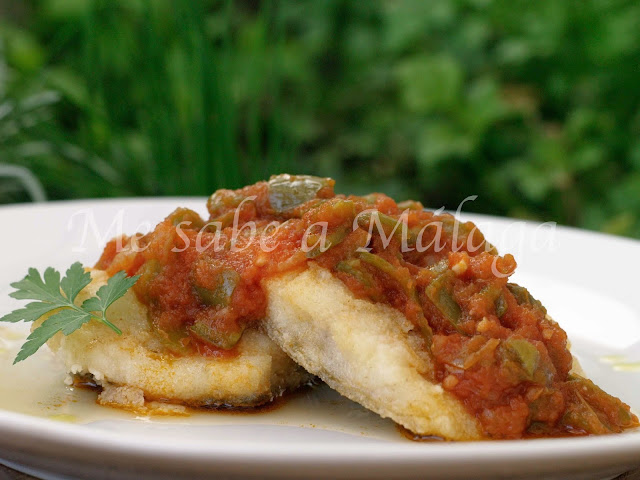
pixel 492 344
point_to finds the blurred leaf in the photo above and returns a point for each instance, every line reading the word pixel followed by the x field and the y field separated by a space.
pixel 483 107
pixel 441 141
pixel 430 83
pixel 587 157
pixel 620 224
pixel 69 84
pixel 66 10
pixel 22 49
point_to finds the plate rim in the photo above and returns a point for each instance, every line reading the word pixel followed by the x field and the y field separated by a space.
pixel 62 438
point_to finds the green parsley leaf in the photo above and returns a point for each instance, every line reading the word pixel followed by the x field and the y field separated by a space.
pixel 53 293
pixel 75 281
pixel 32 286
pixel 115 288
pixel 66 321
pixel 30 313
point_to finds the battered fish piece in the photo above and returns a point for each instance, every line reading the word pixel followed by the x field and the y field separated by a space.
pixel 136 367
pixel 365 351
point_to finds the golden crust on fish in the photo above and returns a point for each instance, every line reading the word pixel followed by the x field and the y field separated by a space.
pixel 136 362
pixel 364 351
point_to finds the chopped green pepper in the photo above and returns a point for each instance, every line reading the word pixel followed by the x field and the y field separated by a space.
pixel 342 213
pixel 221 294
pixel 389 224
pixel 500 305
pixel 372 198
pixel 332 239
pixel 289 191
pixel 596 398
pixel 440 293
pixel 523 297
pixel 186 215
pixel 451 225
pixel 223 221
pixel 148 272
pixel 410 205
pixel 174 340
pixel 207 333
pixel 525 354
pixel 493 293
pixel 353 267
pixel 381 264
pixel 579 414
pixel 223 200
pixel 406 284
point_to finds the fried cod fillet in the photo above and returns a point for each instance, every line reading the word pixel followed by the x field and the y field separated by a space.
pixel 364 351
pixel 135 367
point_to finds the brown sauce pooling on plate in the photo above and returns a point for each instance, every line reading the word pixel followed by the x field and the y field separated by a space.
pixel 409 435
pixel 88 383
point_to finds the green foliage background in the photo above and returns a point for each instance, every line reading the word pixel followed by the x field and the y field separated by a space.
pixel 533 106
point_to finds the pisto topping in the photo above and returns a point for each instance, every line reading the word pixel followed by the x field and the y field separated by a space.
pixel 491 343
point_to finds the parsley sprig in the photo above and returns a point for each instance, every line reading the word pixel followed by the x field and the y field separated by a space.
pixel 58 296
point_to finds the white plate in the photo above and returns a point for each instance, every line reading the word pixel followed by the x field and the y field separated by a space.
pixel 587 281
